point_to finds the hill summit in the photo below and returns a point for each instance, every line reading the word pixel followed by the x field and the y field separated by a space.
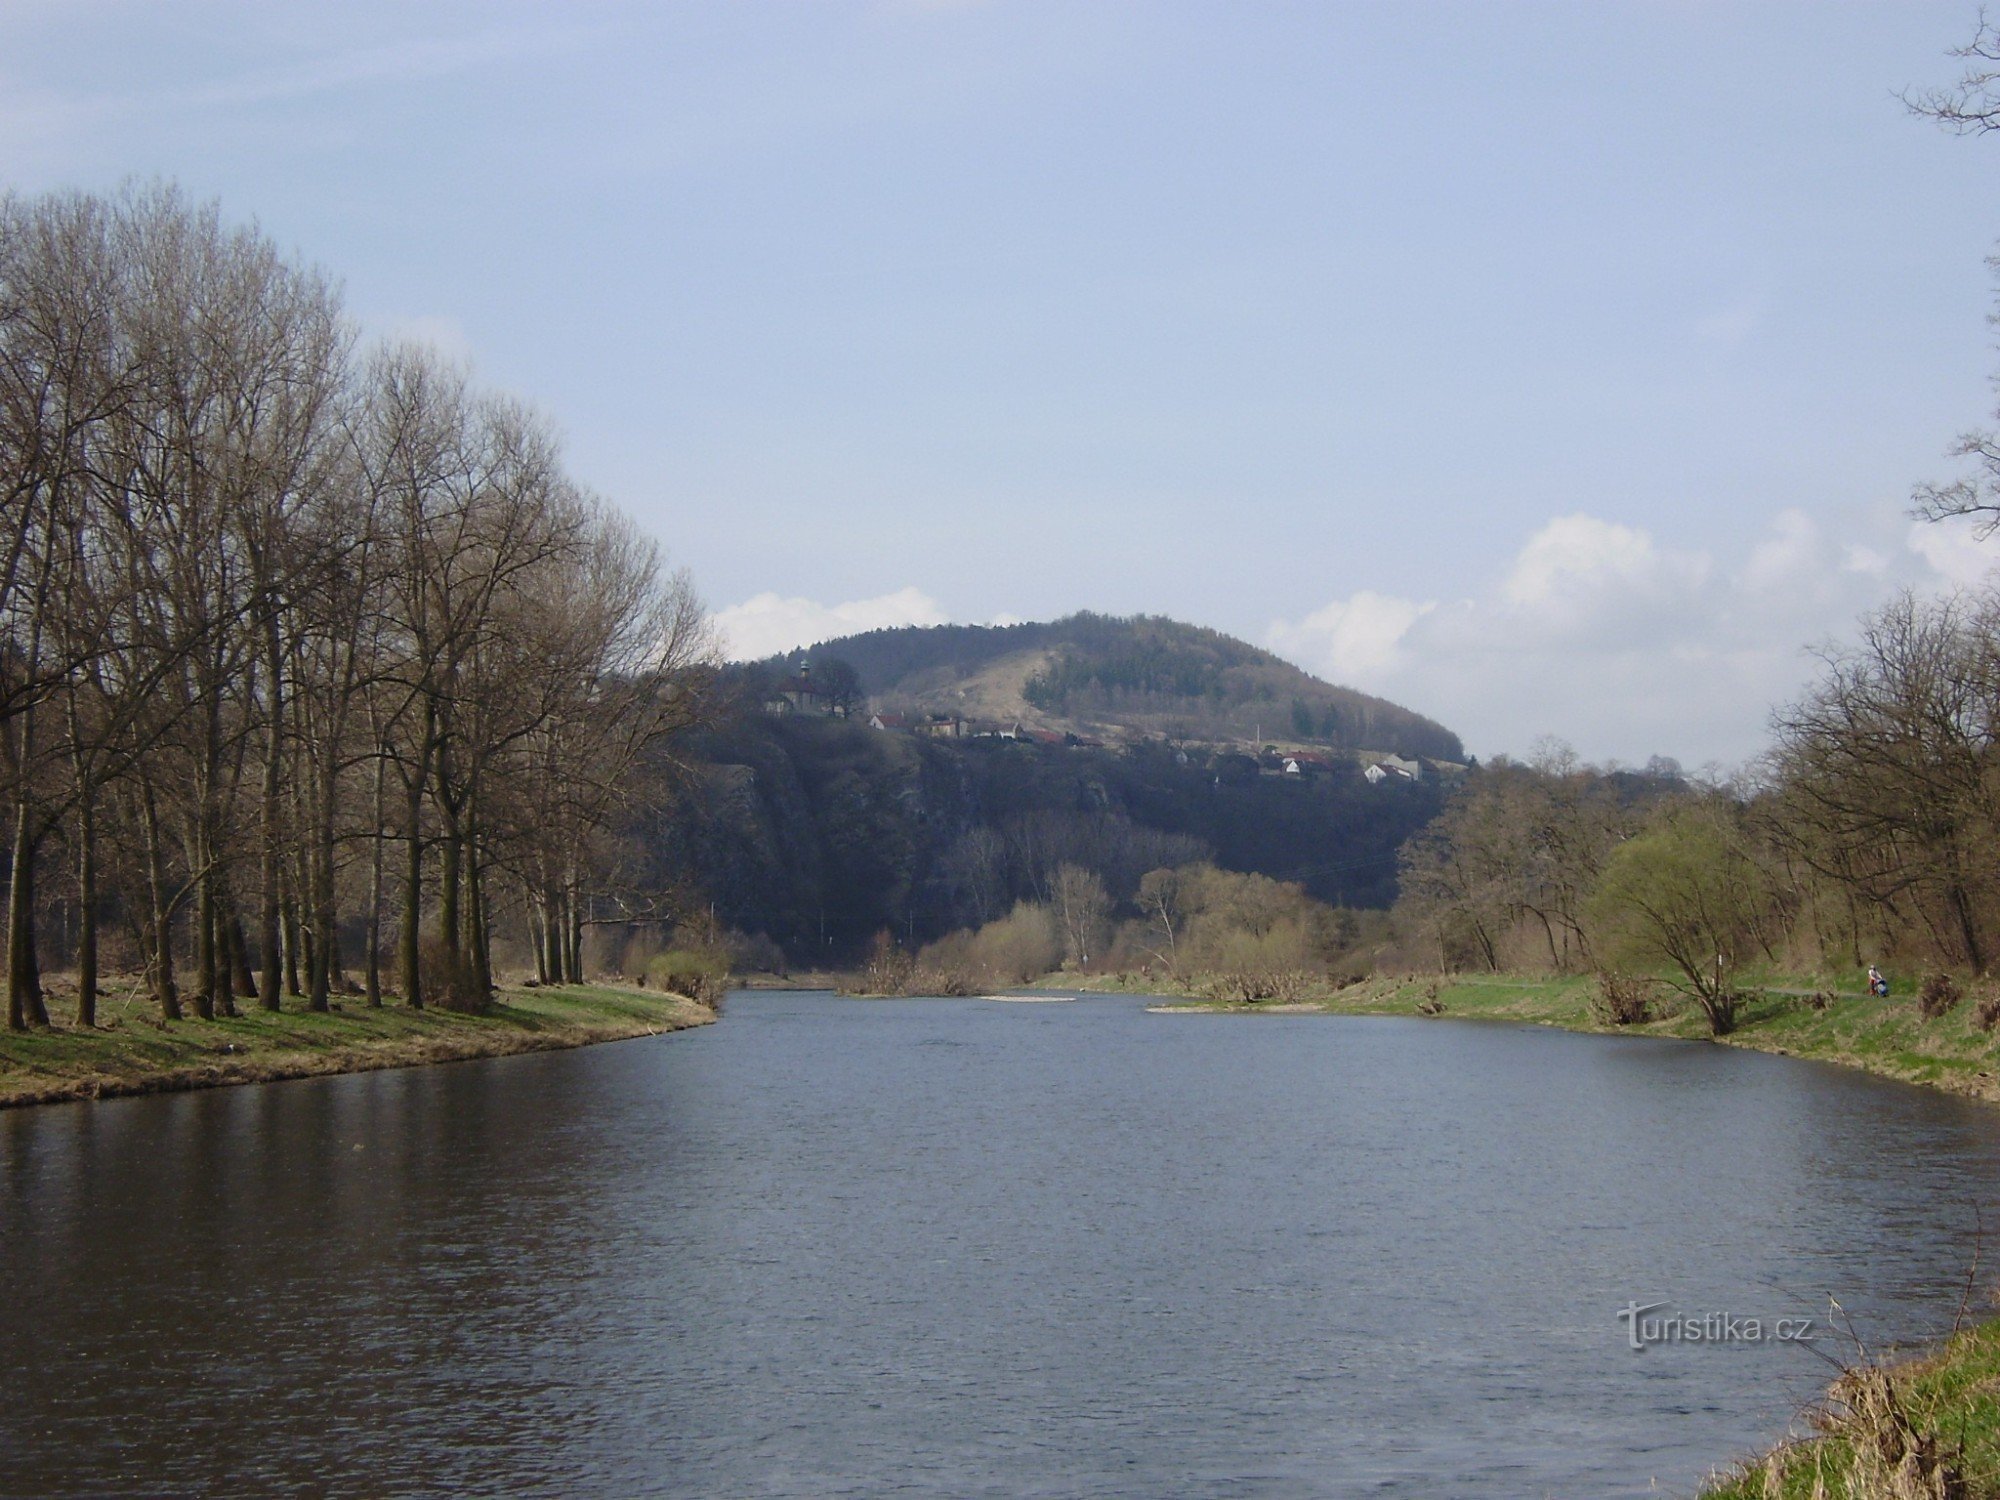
pixel 1120 679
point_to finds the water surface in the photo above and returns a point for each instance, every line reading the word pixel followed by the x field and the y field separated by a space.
pixel 964 1248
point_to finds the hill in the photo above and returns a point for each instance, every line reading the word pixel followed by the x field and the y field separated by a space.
pixel 817 832
pixel 1122 679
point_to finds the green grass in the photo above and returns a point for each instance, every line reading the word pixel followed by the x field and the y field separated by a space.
pixel 132 1051
pixel 1949 1400
pixel 1889 1036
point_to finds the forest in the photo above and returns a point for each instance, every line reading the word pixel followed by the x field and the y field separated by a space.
pixel 817 832
pixel 312 656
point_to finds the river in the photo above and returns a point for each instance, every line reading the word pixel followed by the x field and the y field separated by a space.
pixel 966 1248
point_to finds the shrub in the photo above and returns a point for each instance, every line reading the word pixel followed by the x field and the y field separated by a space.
pixel 701 974
pixel 886 971
pixel 1247 986
pixel 450 980
pixel 1621 1000
pixel 1937 995
pixel 1987 1016
pixel 1818 1000
pixel 926 979
pixel 1021 946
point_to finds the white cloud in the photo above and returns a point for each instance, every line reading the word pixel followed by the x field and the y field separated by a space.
pixel 1356 639
pixel 1955 551
pixel 767 624
pixel 1573 554
pixel 1628 647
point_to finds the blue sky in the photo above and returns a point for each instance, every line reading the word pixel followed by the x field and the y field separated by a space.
pixel 1550 368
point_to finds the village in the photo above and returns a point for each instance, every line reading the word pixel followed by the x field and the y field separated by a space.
pixel 1231 761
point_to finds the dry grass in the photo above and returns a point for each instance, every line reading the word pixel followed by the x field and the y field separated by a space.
pixel 1925 1429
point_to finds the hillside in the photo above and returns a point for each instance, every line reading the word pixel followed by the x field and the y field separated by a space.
pixel 1122 679
pixel 818 832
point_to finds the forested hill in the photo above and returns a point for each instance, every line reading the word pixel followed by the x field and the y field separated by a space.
pixel 1125 678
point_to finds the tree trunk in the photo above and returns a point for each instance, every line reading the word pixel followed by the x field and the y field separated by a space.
pixel 539 934
pixel 242 979
pixel 204 940
pixel 288 930
pixel 161 965
pixel 413 896
pixel 86 914
pixel 24 974
pixel 268 904
pixel 374 923
pixel 479 954
pixel 450 850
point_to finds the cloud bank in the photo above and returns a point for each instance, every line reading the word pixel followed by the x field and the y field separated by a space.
pixel 766 624
pixel 1627 647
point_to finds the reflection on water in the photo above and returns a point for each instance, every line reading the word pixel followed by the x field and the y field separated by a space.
pixel 954 1247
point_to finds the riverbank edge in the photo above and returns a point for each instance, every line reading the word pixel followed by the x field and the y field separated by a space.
pixel 62 1065
pixel 1948 1398
pixel 1888 1038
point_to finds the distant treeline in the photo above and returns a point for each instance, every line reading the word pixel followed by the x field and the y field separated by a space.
pixel 819 832
pixel 306 655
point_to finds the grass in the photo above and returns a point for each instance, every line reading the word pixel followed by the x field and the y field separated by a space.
pixel 1923 1427
pixel 132 1052
pixel 1888 1037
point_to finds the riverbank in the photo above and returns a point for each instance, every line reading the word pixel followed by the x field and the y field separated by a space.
pixel 1936 1416
pixel 133 1052
pixel 1889 1037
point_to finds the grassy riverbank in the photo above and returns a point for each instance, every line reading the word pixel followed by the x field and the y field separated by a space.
pixel 1936 1419
pixel 1889 1037
pixel 131 1052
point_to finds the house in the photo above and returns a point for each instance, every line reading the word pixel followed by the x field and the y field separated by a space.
pixel 940 726
pixel 890 723
pixel 797 695
pixel 1393 766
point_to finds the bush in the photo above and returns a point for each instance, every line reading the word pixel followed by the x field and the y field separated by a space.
pixel 698 973
pixel 926 979
pixel 1987 1016
pixel 1937 995
pixel 1818 1000
pixel 1621 1000
pixel 1019 947
pixel 450 980
pixel 1250 985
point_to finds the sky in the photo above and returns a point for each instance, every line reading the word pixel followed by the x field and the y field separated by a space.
pixel 1553 369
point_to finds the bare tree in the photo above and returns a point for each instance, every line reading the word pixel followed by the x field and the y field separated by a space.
pixel 1971 106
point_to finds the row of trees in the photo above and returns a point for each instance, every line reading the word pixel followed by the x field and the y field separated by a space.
pixel 1871 832
pixel 300 645
pixel 1219 932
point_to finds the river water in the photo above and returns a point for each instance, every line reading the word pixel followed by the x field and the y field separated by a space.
pixel 965 1248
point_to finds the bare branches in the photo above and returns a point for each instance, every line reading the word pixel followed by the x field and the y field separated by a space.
pixel 247 565
pixel 1971 106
